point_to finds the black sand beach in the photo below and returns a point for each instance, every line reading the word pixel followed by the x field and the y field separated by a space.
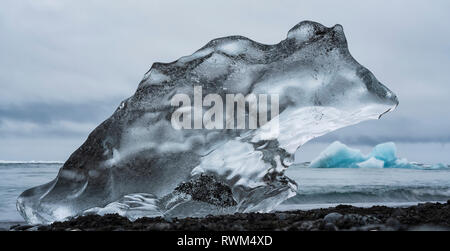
pixel 427 216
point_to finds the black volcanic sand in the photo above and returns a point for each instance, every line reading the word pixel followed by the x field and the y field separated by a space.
pixel 428 216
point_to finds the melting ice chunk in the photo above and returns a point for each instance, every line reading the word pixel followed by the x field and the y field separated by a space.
pixel 371 163
pixel 137 154
pixel 338 155
pixel 386 152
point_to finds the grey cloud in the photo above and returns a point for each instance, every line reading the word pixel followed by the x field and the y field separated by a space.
pixel 47 112
pixel 394 128
pixel 371 140
pixel 55 129
pixel 53 119
pixel 66 65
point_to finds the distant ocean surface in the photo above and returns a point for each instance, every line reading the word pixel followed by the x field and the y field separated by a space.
pixel 16 177
pixel 326 187
pixel 318 187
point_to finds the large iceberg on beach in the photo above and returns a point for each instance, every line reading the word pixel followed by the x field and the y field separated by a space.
pixel 338 155
pixel 138 164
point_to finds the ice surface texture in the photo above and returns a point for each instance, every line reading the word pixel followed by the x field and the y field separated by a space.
pixel 338 155
pixel 135 160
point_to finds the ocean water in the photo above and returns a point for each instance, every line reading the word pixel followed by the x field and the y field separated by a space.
pixel 326 187
pixel 16 177
pixel 318 187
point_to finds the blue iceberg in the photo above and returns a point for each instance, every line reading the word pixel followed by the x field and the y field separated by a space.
pixel 338 155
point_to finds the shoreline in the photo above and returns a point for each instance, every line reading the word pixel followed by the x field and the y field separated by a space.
pixel 424 216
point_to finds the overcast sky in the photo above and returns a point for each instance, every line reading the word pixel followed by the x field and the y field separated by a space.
pixel 66 65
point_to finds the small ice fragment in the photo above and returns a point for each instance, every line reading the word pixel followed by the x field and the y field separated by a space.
pixel 371 163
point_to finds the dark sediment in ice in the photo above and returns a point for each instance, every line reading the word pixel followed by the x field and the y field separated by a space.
pixel 207 189
pixel 427 216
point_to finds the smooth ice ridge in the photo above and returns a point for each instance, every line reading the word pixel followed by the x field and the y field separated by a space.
pixel 133 162
pixel 338 155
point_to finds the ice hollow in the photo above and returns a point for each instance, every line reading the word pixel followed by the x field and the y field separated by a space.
pixel 136 163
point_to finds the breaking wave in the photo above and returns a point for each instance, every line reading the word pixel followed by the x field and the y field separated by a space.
pixel 372 194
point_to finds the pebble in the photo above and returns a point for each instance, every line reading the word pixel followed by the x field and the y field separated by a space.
pixel 332 217
pixel 430 216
